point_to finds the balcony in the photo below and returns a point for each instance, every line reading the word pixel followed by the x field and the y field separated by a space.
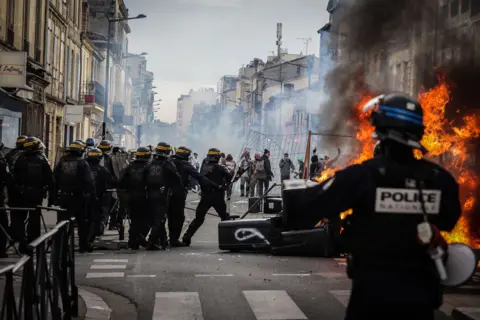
pixel 92 97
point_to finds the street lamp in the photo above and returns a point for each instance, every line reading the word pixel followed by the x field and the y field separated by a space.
pixel 107 76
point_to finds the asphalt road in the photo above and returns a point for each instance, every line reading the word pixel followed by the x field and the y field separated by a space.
pixel 201 282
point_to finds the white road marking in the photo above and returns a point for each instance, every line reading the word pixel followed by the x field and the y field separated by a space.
pixel 204 241
pixel 92 275
pixel 330 274
pixel 291 274
pixel 110 261
pixel 342 296
pixel 177 306
pixel 214 275
pixel 273 305
pixel 108 266
pixel 141 276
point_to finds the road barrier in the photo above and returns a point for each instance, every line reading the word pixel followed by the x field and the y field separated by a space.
pixel 47 289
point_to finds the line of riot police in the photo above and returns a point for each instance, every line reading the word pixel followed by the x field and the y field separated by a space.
pixel 157 187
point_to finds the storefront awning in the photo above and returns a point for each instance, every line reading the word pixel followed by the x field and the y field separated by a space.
pixel 10 102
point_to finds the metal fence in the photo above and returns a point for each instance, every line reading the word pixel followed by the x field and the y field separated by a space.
pixel 48 289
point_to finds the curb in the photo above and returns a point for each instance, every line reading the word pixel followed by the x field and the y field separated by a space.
pixel 97 308
pixel 466 313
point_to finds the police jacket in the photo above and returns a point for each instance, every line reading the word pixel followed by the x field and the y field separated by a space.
pixel 73 175
pixel 108 164
pixel 133 179
pixel 384 196
pixel 161 173
pixel 12 156
pixel 216 173
pixel 186 170
pixel 102 177
pixel 32 174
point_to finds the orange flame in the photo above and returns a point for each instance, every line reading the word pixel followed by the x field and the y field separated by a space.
pixel 447 144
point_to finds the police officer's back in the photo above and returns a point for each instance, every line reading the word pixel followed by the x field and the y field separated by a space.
pixel 393 275
pixel 162 179
pixel 33 179
pixel 187 170
pixel 133 181
pixel 103 182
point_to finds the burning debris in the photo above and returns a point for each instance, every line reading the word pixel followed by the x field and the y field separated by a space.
pixel 448 144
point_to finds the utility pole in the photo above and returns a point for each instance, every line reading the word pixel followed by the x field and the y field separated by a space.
pixel 279 40
pixel 279 52
pixel 306 41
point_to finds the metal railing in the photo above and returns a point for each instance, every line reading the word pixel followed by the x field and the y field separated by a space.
pixel 48 289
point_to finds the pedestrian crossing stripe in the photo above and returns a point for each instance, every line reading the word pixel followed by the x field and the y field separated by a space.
pixel 265 305
pixel 107 265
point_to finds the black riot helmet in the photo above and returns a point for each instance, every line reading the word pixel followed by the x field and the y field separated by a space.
pixel 90 142
pixel 143 154
pixel 20 142
pixel 397 117
pixel 213 155
pixel 163 149
pixel 183 153
pixel 94 155
pixel 105 146
pixel 33 144
pixel 80 141
pixel 76 148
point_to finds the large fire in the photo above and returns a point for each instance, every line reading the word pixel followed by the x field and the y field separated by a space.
pixel 447 144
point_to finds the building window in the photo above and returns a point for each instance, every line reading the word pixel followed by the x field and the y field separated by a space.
pixel 48 44
pixel 454 8
pixel 444 12
pixel 26 20
pixel 474 7
pixel 10 14
pixel 464 6
pixel 39 25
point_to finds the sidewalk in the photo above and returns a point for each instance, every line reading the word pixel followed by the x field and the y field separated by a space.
pixel 463 303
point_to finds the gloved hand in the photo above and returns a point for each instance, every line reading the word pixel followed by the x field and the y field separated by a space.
pixel 437 239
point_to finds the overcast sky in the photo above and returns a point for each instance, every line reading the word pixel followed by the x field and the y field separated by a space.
pixel 193 43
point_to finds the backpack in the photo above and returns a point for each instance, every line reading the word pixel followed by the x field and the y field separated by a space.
pixel 260 166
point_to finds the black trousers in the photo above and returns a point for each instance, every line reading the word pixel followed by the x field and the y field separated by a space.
pixel 3 236
pixel 17 218
pixel 139 220
pixel 158 210
pixel 390 295
pixel 207 201
pixel 176 216
pixel 75 204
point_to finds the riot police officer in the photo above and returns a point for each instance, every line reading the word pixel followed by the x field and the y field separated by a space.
pixel 133 181
pixel 162 179
pixel 106 146
pixel 98 206
pixel 391 196
pixel 76 186
pixel 212 196
pixel 17 218
pixel 176 212
pixel 33 179
pixel 5 182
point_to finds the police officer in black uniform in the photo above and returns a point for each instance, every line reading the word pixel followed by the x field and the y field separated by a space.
pixel 99 205
pixel 212 196
pixel 133 181
pixel 76 186
pixel 106 146
pixel 176 212
pixel 6 181
pixel 162 180
pixel 393 275
pixel 33 179
pixel 17 218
